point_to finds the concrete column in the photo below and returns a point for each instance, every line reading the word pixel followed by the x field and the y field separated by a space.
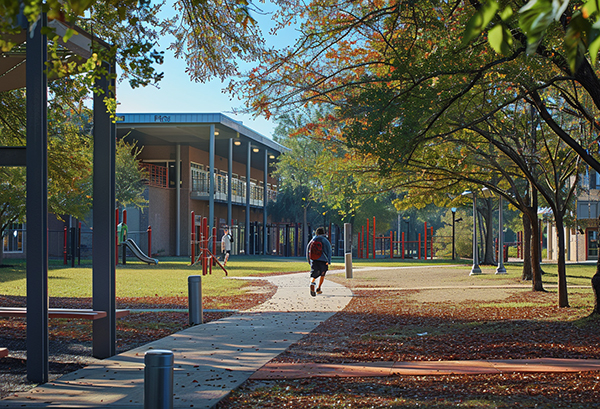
pixel 229 181
pixel 265 197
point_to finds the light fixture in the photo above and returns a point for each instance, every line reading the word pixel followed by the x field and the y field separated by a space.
pixel 255 150
pixel 271 156
pixel 237 143
pixel 216 132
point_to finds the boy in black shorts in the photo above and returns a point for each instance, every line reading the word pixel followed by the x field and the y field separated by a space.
pixel 318 254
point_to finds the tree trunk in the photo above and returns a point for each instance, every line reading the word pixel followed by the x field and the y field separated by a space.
pixel 526 251
pixel 563 297
pixel 535 251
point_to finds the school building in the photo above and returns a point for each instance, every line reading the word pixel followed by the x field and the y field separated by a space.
pixel 206 165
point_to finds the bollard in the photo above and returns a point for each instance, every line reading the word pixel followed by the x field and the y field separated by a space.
pixel 158 379
pixel 195 299
pixel 348 249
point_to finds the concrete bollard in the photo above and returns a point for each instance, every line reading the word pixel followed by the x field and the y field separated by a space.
pixel 195 310
pixel 348 249
pixel 158 379
pixel 348 264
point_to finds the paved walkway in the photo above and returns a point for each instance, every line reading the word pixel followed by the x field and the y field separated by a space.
pixel 217 357
pixel 210 359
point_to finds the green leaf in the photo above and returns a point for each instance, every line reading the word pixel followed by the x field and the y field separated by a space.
pixel 500 39
pixel 535 18
pixel 68 34
pixel 594 42
pixel 506 14
pixel 590 7
pixel 480 20
pixel 576 32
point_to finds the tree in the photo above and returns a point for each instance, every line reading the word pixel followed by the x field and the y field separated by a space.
pixel 400 74
pixel 130 177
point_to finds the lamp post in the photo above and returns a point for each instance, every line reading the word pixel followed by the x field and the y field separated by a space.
pixel 475 270
pixel 501 269
pixel 453 223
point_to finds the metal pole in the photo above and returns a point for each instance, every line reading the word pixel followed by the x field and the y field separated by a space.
pixel 104 220
pixel 158 379
pixel 501 269
pixel 211 180
pixel 475 270
pixel 177 199
pixel 37 206
pixel 453 236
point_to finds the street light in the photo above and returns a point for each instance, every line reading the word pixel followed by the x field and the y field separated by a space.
pixel 453 223
pixel 475 270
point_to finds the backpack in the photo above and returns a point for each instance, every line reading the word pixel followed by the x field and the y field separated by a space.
pixel 315 249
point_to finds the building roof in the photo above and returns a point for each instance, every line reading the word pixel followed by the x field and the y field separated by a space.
pixel 167 129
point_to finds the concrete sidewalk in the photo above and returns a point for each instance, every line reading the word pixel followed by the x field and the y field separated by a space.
pixel 210 359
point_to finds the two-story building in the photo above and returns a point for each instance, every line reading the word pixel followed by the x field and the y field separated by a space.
pixel 208 164
pixel 581 241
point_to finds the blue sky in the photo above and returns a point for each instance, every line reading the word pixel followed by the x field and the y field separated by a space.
pixel 177 93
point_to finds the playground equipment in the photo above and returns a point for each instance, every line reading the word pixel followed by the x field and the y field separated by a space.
pixel 127 243
pixel 205 256
pixel 422 248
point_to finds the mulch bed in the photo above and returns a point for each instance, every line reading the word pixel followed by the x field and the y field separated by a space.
pixel 70 341
pixel 386 326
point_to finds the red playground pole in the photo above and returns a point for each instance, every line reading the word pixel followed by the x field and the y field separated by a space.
pixel 419 246
pixel 150 242
pixel 402 245
pixel 193 238
pixel 367 240
pixel 214 245
pixel 391 244
pixel 203 239
pixel 374 240
pixel 362 237
pixel 116 237
pixel 431 241
pixel 425 240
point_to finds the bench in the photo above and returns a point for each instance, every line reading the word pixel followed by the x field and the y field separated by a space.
pixel 84 314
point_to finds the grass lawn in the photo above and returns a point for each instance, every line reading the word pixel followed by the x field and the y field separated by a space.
pixel 167 279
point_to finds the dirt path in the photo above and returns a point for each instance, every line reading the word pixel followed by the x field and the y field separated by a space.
pixel 435 283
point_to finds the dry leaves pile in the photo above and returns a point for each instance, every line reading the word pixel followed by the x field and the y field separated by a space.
pixel 391 326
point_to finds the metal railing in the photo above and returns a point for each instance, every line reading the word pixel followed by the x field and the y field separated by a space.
pixel 200 187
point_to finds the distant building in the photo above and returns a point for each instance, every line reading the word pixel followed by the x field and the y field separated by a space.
pixel 206 163
pixel 581 241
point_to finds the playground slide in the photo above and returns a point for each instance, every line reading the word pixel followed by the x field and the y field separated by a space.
pixel 139 253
